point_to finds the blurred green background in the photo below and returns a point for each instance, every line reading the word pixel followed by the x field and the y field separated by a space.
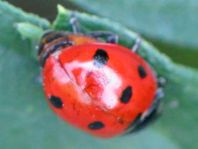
pixel 26 120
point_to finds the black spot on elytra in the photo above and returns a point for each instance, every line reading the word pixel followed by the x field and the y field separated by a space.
pixel 100 57
pixel 141 71
pixel 96 125
pixel 56 102
pixel 126 94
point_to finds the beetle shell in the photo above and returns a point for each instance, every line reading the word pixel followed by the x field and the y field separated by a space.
pixel 100 88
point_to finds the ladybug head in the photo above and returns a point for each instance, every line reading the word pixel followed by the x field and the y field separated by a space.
pixel 51 42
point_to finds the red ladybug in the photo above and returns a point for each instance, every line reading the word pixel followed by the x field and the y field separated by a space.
pixel 95 84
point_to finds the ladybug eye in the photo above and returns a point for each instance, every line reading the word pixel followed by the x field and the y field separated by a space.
pixel 100 57
pixel 56 102
pixel 96 125
pixel 126 95
pixel 141 71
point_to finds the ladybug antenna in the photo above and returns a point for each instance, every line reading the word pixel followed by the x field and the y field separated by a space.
pixel 137 44
pixel 74 24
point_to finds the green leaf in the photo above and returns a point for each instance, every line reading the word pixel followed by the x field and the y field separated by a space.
pixel 27 122
pixel 161 63
pixel 171 21
pixel 10 17
pixel 29 31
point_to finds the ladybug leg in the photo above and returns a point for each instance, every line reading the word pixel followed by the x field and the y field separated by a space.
pixel 137 44
pixel 154 110
pixel 161 82
pixel 74 24
pixel 151 114
pixel 147 117
pixel 108 36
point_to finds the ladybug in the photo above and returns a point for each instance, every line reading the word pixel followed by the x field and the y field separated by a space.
pixel 97 85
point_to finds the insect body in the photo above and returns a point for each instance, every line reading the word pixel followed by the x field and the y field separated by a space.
pixel 97 85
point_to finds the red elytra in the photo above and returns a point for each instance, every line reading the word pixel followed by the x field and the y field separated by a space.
pixel 100 88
